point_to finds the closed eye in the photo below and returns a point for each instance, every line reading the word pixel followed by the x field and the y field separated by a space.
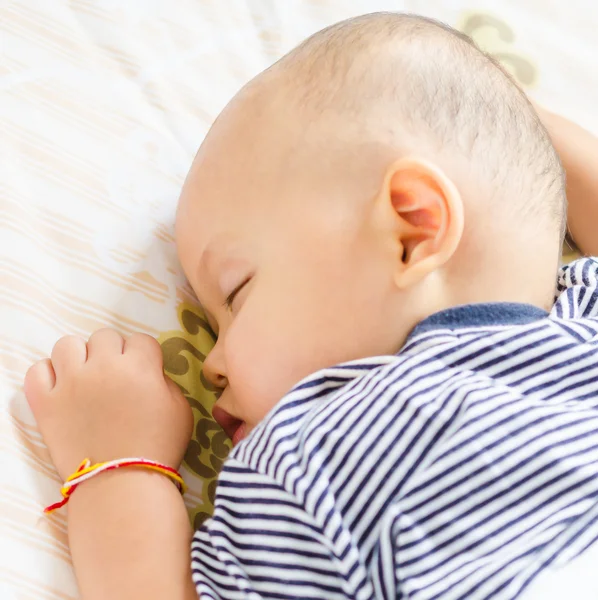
pixel 231 297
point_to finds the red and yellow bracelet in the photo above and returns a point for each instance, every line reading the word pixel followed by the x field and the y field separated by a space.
pixel 86 471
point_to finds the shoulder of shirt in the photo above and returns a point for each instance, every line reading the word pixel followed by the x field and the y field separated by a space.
pixel 280 440
pixel 293 447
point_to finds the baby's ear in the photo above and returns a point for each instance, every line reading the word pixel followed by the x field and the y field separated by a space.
pixel 429 218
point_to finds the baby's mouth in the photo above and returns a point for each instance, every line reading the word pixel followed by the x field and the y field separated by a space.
pixel 233 427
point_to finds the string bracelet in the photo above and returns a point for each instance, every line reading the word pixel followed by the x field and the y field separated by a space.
pixel 86 471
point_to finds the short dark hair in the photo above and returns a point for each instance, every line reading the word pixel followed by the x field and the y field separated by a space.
pixel 443 89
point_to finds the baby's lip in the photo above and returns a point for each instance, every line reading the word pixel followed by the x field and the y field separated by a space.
pixel 233 427
pixel 239 433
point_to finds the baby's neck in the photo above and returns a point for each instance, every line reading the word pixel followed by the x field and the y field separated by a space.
pixel 510 275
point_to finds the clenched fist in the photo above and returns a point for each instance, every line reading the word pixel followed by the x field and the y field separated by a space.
pixel 108 399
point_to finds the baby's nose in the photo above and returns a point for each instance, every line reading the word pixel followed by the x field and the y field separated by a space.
pixel 213 369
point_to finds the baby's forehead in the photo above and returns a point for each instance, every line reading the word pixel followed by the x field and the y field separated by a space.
pixel 259 125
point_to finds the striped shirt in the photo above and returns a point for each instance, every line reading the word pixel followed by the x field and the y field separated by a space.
pixel 463 467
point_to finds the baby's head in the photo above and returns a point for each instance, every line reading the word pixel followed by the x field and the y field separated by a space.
pixel 382 171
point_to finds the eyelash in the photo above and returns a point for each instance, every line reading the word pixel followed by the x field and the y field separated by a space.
pixel 231 297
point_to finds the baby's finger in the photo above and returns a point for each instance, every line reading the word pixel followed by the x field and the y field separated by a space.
pixel 68 352
pixel 145 346
pixel 40 376
pixel 105 342
pixel 40 379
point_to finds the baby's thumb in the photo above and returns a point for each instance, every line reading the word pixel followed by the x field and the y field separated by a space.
pixel 181 402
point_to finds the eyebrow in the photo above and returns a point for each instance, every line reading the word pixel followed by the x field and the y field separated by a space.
pixel 207 256
pixel 217 250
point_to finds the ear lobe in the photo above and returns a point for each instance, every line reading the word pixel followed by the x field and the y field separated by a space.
pixel 430 218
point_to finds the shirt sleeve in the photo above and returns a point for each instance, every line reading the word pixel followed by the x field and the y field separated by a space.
pixel 577 290
pixel 261 543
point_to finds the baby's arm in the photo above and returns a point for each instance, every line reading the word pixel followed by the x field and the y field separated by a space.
pixel 108 399
pixel 578 150
pixel 130 538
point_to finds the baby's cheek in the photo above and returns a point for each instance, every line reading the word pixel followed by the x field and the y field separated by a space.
pixel 254 361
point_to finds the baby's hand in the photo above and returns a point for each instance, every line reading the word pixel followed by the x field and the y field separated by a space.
pixel 108 399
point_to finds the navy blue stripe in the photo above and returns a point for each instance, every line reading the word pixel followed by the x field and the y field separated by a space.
pixel 452 483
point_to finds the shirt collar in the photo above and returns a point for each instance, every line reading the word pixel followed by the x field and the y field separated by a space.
pixel 491 314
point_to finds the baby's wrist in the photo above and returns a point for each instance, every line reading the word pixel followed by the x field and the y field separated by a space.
pixel 118 487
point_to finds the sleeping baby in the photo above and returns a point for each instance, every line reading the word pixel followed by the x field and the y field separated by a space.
pixel 373 228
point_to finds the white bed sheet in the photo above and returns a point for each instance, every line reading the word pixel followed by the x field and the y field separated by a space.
pixel 102 106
